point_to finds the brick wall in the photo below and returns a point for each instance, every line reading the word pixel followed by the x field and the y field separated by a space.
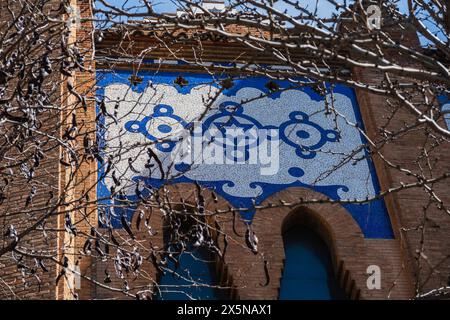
pixel 14 210
pixel 66 183
pixel 416 232
pixel 406 207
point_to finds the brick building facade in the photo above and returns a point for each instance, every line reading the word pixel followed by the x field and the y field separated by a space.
pixel 353 245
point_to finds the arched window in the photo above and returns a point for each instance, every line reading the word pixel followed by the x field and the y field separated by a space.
pixel 192 275
pixel 195 267
pixel 308 270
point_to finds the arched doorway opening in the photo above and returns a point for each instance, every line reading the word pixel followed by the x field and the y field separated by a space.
pixel 190 271
pixel 308 271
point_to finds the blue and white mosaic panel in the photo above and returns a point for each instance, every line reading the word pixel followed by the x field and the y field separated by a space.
pixel 316 149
